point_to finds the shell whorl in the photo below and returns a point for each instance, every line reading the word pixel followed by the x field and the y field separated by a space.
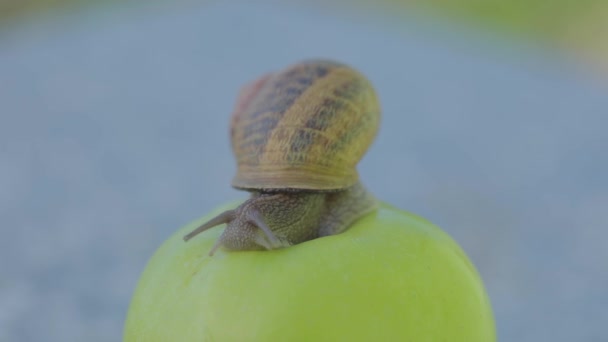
pixel 305 127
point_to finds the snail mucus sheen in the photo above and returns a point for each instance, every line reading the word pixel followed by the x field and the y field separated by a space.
pixel 297 136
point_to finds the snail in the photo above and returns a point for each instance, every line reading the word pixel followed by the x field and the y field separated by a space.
pixel 297 136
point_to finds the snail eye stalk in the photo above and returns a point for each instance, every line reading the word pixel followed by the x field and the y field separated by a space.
pixel 222 218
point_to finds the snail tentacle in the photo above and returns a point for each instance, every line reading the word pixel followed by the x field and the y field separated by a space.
pixel 222 218
pixel 216 245
pixel 255 218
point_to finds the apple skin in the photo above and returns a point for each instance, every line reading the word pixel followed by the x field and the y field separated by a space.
pixel 392 276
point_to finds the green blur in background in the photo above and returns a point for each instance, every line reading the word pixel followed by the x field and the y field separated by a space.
pixel 578 27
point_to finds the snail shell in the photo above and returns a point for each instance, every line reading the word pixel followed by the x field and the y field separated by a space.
pixel 297 136
pixel 305 127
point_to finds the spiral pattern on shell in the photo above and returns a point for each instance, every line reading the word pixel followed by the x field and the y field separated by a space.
pixel 306 127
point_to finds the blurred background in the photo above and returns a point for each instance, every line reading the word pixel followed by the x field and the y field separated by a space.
pixel 113 134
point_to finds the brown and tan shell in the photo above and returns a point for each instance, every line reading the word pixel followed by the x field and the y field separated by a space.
pixel 306 127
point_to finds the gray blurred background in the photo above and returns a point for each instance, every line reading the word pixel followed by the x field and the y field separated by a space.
pixel 113 134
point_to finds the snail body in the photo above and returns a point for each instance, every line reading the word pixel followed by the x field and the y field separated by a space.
pixel 297 136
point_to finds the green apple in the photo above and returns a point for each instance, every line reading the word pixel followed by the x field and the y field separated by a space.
pixel 392 276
